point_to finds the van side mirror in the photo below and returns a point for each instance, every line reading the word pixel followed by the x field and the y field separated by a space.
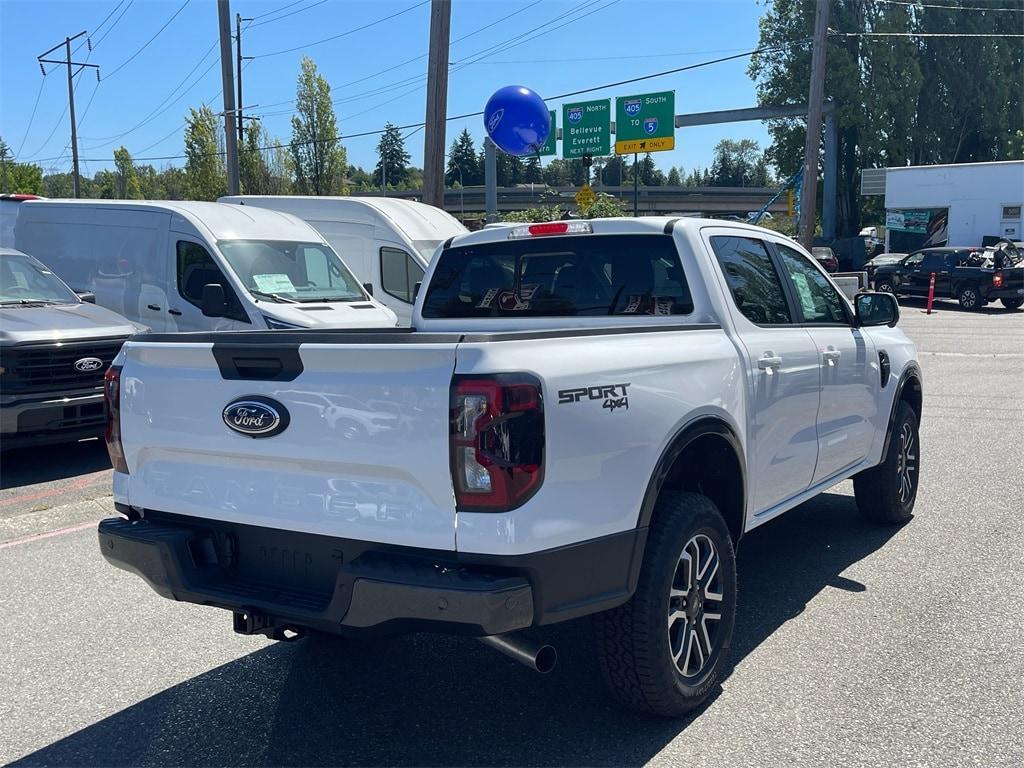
pixel 876 308
pixel 215 304
pixel 368 287
pixel 87 296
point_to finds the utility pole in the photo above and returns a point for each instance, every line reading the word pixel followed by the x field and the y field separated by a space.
pixel 437 103
pixel 239 58
pixel 71 97
pixel 228 81
pixel 812 148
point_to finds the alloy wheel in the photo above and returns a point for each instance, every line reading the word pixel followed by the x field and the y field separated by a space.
pixel 695 607
pixel 906 464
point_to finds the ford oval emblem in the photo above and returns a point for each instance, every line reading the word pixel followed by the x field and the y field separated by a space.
pixel 88 364
pixel 256 416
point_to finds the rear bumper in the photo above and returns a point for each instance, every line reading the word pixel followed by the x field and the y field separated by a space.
pixel 275 580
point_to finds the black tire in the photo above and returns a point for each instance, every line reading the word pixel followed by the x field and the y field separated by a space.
pixel 636 641
pixel 886 493
pixel 884 286
pixel 1013 303
pixel 970 298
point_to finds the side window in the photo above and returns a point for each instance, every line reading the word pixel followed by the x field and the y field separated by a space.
pixel 933 261
pixel 754 283
pixel 195 269
pixel 399 273
pixel 818 300
pixel 913 261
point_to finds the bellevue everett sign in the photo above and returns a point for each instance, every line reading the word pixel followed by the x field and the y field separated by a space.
pixel 586 128
pixel 645 123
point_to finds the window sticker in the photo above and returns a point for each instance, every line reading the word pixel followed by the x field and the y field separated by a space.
pixel 803 289
pixel 276 283
pixel 663 305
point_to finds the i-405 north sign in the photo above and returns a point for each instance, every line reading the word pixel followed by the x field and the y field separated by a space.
pixel 645 123
pixel 586 128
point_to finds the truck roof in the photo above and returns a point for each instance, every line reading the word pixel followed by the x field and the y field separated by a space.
pixel 223 222
pixel 647 225
pixel 417 220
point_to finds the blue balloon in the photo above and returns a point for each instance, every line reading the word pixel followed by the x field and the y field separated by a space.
pixel 517 120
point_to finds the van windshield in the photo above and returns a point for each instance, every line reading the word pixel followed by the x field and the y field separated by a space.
pixel 289 271
pixel 23 280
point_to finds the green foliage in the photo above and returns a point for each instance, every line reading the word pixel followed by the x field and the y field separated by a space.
pixel 392 159
pixel 615 172
pixel 24 178
pixel 125 178
pixel 673 179
pixel 205 177
pixel 319 159
pixel 650 176
pixel 532 172
pixel 900 100
pixel 603 207
pixel 739 164
pixel 253 171
pixel 464 165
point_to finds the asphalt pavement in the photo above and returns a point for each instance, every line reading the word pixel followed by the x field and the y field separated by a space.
pixel 855 644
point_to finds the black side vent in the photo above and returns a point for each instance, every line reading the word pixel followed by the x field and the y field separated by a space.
pixel 315 309
pixel 884 367
pixel 263 363
pixel 362 306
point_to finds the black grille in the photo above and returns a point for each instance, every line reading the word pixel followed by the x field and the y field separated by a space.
pixel 50 367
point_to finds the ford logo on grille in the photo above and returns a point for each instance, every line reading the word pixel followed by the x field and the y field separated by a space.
pixel 88 364
pixel 256 416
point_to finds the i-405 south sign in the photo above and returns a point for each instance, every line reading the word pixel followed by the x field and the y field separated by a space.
pixel 645 123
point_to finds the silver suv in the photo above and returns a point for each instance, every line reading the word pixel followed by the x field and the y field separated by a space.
pixel 54 351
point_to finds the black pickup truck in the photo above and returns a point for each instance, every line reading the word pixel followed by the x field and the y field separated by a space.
pixel 973 276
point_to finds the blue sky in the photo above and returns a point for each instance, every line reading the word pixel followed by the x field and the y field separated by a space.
pixel 564 45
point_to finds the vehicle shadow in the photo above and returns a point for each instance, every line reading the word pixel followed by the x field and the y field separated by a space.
pixel 42 464
pixel 428 700
pixel 950 305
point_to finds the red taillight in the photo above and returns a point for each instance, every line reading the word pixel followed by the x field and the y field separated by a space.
pixel 997 280
pixel 497 441
pixel 112 406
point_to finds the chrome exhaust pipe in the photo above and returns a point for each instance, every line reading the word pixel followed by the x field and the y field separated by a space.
pixel 539 657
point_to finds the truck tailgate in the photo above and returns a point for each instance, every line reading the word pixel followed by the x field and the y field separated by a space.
pixel 364 454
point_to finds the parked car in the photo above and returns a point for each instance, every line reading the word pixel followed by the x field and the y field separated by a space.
pixel 9 205
pixel 593 413
pixel 387 242
pixel 153 262
pixel 826 257
pixel 54 349
pixel 960 273
pixel 882 259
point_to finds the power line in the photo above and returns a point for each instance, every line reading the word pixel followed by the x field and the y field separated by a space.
pixel 343 34
pixel 114 24
pixel 98 27
pixel 951 7
pixel 285 15
pixel 32 117
pixel 145 45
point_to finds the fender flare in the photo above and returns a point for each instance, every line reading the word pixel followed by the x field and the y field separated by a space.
pixel 687 434
pixel 912 371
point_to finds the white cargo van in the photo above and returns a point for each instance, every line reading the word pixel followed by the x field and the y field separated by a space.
pixel 387 242
pixel 160 264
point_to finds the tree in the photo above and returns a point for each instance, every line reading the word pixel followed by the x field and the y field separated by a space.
pixel 175 183
pixel 673 179
pixel 464 166
pixel 392 159
pixel 253 170
pixel 957 99
pixel 558 173
pixel 614 173
pixel 320 160
pixel 205 178
pixel 739 164
pixel 24 178
pixel 532 172
pixel 510 169
pixel 125 178
pixel 650 176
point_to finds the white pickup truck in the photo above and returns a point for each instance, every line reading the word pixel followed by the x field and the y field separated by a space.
pixel 585 419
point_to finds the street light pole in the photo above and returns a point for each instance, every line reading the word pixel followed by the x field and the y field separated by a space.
pixel 812 149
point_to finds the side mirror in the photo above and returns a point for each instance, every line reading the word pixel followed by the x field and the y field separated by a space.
pixel 87 296
pixel 215 304
pixel 876 308
pixel 416 290
pixel 368 287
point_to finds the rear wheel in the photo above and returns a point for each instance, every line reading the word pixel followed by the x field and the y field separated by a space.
pixel 1012 303
pixel 886 493
pixel 663 651
pixel 885 286
pixel 970 298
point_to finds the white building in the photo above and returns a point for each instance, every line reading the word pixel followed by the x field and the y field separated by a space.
pixel 955 205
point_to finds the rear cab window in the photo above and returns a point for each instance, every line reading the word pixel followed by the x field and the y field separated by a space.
pixel 574 276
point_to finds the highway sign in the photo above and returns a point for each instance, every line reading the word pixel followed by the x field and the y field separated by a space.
pixel 549 145
pixel 645 123
pixel 585 197
pixel 586 128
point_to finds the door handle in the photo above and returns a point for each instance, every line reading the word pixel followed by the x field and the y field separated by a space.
pixel 175 312
pixel 154 307
pixel 831 355
pixel 769 361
